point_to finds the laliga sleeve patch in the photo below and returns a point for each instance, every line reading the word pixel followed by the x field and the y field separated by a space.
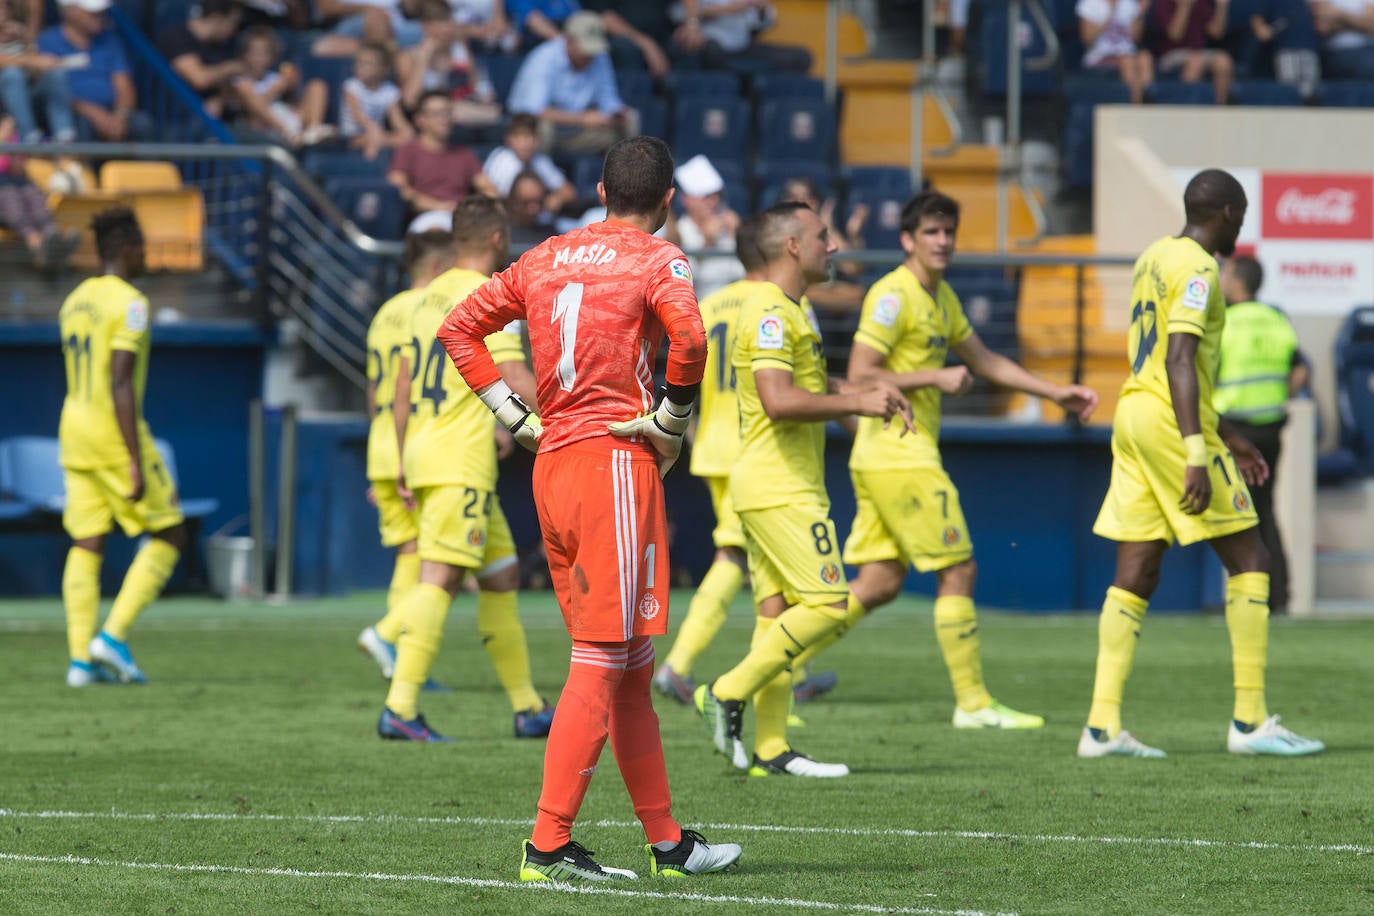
pixel 1195 294
pixel 770 333
pixel 886 310
pixel 136 315
pixel 680 269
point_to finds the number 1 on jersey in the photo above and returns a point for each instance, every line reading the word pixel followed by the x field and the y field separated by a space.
pixel 565 309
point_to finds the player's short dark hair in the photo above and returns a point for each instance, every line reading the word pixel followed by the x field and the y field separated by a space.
pixel 637 173
pixel 1249 272
pixel 420 245
pixel 928 203
pixel 774 226
pixel 115 228
pixel 523 123
pixel 475 219
pixel 747 244
pixel 1208 193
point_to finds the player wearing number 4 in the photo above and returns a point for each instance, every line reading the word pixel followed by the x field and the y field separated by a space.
pixel 908 508
pixel 1179 473
pixel 778 488
pixel 112 469
pixel 448 460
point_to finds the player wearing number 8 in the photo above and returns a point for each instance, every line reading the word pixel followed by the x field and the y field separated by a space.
pixel 113 472
pixel 448 461
pixel 1179 473
pixel 598 302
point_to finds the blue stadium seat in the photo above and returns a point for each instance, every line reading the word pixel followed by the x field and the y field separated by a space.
pixel 1351 94
pixel 718 127
pixel 35 473
pixel 682 85
pixel 584 172
pixel 501 70
pixel 634 86
pixel 877 178
pixel 1174 93
pixel 333 71
pixel 11 509
pixel 772 174
pixel 1354 352
pixel 1081 97
pixel 1265 92
pixel 373 205
pixel 653 118
pixel 191 508
pixel 883 228
pixel 326 164
pixel 769 86
pixel 797 129
pixel 992 54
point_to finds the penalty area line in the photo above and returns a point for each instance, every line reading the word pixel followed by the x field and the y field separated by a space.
pixel 490 883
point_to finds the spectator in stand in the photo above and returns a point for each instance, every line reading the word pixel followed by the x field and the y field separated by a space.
pixel 835 295
pixel 521 154
pixel 652 20
pixel 545 20
pixel 1347 29
pixel 1183 30
pixel 726 31
pixel 201 51
pixel 568 82
pixel 530 224
pixel 430 172
pixel 102 90
pixel 364 22
pixel 485 26
pixel 276 14
pixel 442 61
pixel 24 210
pixel 28 78
pixel 707 225
pixel 371 116
pixel 272 98
pixel 1111 31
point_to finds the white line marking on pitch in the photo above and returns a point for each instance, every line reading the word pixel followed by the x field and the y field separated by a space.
pixel 747 828
pixel 774 902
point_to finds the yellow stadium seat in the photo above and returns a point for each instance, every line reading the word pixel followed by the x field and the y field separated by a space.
pixel 118 175
pixel 802 22
pixel 75 211
pixel 173 228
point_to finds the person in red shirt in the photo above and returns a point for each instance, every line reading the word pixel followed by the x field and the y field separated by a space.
pixel 1183 31
pixel 431 173
pixel 598 302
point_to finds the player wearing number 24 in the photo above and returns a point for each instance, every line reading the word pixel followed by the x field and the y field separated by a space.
pixel 598 302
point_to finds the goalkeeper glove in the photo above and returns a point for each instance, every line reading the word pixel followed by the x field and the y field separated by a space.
pixel 513 414
pixel 664 429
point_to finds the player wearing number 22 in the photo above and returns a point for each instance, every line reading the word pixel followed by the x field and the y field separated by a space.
pixel 598 302
pixel 1179 473
pixel 113 471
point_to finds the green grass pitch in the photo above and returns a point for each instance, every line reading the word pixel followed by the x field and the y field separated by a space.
pixel 247 777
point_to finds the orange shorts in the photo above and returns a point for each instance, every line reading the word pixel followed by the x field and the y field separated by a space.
pixel 605 530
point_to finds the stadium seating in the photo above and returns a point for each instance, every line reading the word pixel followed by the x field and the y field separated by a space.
pixel 1266 93
pixel 333 71
pixel 35 473
pixel 772 174
pixel 992 52
pixel 118 175
pixel 697 84
pixel 653 117
pixel 767 87
pixel 372 204
pixel 715 127
pixel 327 164
pixel 1081 97
pixel 1346 94
pixel 191 508
pixel 1174 93
pixel 797 128
pixel 884 224
pixel 1354 351
pixel 635 86
pixel 877 177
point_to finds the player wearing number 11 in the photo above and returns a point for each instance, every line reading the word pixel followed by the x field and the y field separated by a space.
pixel 1179 474
pixel 113 471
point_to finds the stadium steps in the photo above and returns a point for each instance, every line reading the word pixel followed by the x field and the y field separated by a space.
pixel 968 173
pixel 802 22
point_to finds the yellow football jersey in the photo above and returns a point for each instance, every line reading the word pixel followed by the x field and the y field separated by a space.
pixel 779 462
pixel 389 338
pixel 451 437
pixel 914 331
pixel 717 439
pixel 101 315
pixel 1175 290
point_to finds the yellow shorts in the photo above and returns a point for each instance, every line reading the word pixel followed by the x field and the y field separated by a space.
pixel 728 532
pixel 913 516
pixel 96 498
pixel 465 527
pixel 793 550
pixel 1148 462
pixel 396 523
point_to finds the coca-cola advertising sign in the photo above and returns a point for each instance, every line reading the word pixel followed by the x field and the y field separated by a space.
pixel 1318 206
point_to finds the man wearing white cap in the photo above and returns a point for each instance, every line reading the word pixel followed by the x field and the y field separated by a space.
pixel 569 84
pixel 98 74
pixel 707 224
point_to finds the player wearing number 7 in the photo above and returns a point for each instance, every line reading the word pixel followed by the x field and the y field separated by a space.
pixel 448 459
pixel 113 471
pixel 1179 473
pixel 598 302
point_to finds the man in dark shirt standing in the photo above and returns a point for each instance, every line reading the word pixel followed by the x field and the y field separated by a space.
pixel 201 50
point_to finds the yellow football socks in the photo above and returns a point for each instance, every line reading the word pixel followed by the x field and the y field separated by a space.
pixel 956 629
pixel 1118 633
pixel 854 612
pixel 426 609
pixel 797 628
pixel 1247 619
pixel 706 615
pixel 147 574
pixel 503 636
pixel 404 577
pixel 772 703
pixel 81 596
